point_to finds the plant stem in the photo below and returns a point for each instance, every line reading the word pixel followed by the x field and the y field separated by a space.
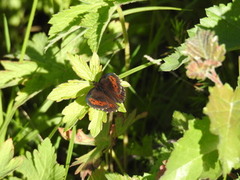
pixel 117 161
pixel 70 151
pixel 125 36
pixel 6 34
pixel 27 34
pixel 212 75
pixel 127 66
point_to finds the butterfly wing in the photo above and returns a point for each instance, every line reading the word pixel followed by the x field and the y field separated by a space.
pixel 110 85
pixel 99 100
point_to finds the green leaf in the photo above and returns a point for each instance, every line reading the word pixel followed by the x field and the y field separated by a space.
pixel 97 118
pixel 74 111
pixel 81 67
pixel 92 16
pixel 14 72
pixel 222 19
pixel 65 20
pixel 95 66
pixel 42 164
pixel 194 155
pixel 223 110
pixel 7 162
pixel 69 90
pixel 144 149
pixel 96 22
pixel 175 60
pixel 180 121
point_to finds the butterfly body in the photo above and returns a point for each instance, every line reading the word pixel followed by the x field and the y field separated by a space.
pixel 106 93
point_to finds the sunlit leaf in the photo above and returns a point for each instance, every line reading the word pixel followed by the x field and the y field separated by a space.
pixel 8 163
pixel 97 118
pixel 223 110
pixel 222 19
pixel 74 111
pixel 196 150
pixel 81 67
pixel 42 163
pixel 69 90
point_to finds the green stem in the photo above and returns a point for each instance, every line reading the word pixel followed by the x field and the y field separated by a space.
pixel 6 34
pixel 70 151
pixel 127 66
pixel 27 34
pixel 117 161
pixel 125 36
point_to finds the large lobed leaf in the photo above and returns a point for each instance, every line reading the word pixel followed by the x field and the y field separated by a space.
pixel 195 155
pixel 225 21
pixel 223 110
pixel 42 164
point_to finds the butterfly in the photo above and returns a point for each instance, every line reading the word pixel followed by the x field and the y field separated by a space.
pixel 106 93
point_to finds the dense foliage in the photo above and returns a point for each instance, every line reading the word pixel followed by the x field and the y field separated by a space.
pixel 177 60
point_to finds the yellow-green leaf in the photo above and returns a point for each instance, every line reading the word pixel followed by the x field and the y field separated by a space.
pixel 74 111
pixel 80 67
pixel 223 110
pixel 69 90
pixel 97 117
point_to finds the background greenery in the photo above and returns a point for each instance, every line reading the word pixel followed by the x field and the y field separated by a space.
pixel 161 97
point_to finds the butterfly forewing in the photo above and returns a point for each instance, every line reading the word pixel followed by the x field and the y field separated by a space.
pixel 110 84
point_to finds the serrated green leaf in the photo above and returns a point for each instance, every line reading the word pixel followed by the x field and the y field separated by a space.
pixel 81 67
pixel 66 19
pixel 191 157
pixel 42 164
pixel 7 163
pixel 223 110
pixel 222 19
pixel 96 22
pixel 69 90
pixel 95 65
pixel 74 111
pixel 97 118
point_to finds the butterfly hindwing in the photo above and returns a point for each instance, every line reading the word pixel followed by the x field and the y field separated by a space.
pixel 98 100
